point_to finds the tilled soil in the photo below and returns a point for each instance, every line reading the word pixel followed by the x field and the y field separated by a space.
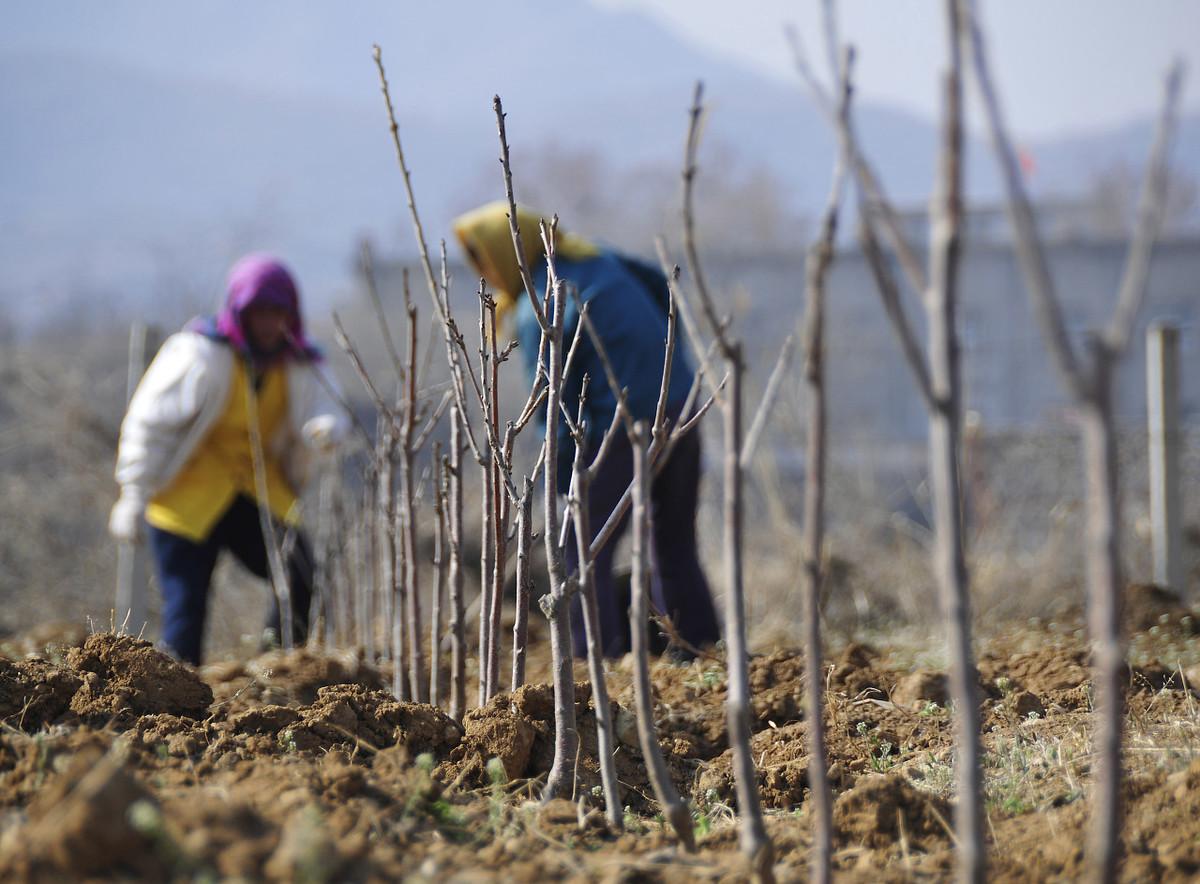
pixel 119 763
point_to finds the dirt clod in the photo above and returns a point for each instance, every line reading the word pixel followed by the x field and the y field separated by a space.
pixel 124 677
pixel 883 808
pixel 34 693
pixel 920 687
pixel 78 825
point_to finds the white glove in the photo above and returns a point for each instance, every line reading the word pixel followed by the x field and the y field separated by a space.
pixel 322 433
pixel 125 520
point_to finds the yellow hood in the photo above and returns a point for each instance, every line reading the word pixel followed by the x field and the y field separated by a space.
pixel 486 238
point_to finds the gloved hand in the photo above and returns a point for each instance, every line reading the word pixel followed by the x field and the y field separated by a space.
pixel 322 433
pixel 125 520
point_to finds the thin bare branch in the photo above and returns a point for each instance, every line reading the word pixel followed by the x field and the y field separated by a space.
pixel 343 341
pixel 433 421
pixel 889 294
pixel 368 271
pixel 873 199
pixel 1034 266
pixel 1152 205
pixel 439 295
pixel 767 404
pixel 418 229
pixel 707 305
pixel 518 245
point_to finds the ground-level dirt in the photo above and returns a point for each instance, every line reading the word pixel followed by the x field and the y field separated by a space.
pixel 117 763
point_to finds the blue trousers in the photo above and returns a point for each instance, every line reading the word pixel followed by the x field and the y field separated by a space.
pixel 185 568
pixel 678 588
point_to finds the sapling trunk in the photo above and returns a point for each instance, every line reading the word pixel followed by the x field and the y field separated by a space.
pixel 323 565
pixel 945 451
pixel 500 512
pixel 440 494
pixel 675 809
pixel 418 686
pixel 754 840
pixel 524 583
pixel 556 605
pixel 385 537
pixel 485 569
pixel 400 682
pixel 1089 382
pixel 605 742
pixel 1104 600
pixel 266 524
pixel 368 571
pixel 501 515
pixel 819 259
pixel 454 524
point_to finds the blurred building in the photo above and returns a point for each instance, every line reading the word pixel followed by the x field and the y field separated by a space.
pixel 1009 378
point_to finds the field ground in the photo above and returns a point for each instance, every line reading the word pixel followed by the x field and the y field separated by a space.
pixel 117 763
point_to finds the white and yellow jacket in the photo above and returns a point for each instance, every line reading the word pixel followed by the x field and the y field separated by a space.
pixel 182 397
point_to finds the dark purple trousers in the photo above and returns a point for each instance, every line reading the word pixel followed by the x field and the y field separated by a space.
pixel 677 585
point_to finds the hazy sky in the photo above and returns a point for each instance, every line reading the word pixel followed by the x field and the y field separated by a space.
pixel 1062 65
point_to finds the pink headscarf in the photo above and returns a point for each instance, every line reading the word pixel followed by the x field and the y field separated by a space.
pixel 260 280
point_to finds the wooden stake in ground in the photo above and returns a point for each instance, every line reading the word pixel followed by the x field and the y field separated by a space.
pixel 1089 381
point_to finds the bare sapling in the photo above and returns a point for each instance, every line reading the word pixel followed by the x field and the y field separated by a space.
pixel 945 450
pixel 755 843
pixel 675 808
pixel 485 568
pixel 388 584
pixel 266 522
pixel 346 568
pixel 605 738
pixel 524 575
pixel 441 495
pixel 454 577
pixel 325 595
pixel 524 584
pixel 1088 379
pixel 937 375
pixel 458 358
pixel 418 687
pixel 820 257
pixel 505 494
pixel 366 556
pixel 556 604
pixel 487 513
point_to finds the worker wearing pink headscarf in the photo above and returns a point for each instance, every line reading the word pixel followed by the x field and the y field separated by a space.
pixel 185 462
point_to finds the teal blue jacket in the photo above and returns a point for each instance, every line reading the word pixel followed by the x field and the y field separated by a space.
pixel 627 302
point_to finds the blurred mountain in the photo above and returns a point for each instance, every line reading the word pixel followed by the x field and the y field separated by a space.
pixel 146 145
